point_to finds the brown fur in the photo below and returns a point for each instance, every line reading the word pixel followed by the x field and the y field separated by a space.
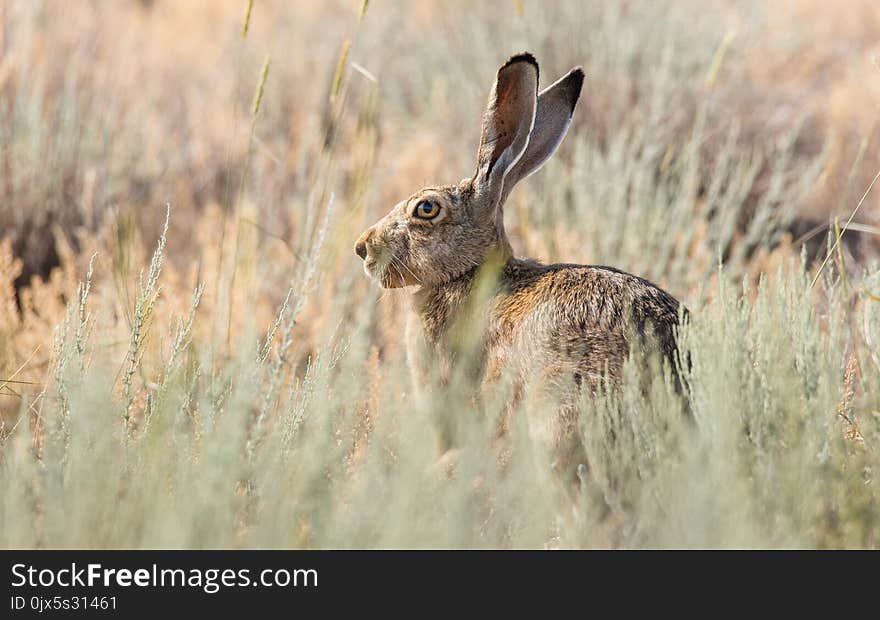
pixel 565 325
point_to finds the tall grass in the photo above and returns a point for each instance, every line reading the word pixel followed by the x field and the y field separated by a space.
pixel 196 380
pixel 778 447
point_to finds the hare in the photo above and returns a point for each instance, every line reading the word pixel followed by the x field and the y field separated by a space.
pixel 571 325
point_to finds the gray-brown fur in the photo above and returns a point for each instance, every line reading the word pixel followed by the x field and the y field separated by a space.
pixel 567 325
pixel 560 319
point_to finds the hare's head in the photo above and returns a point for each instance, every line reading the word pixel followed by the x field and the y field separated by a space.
pixel 441 233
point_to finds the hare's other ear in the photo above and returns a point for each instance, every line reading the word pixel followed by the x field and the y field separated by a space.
pixel 507 124
pixel 556 105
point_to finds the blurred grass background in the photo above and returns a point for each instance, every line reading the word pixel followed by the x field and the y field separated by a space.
pixel 236 381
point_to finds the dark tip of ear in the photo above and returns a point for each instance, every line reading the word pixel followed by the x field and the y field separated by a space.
pixel 574 81
pixel 521 57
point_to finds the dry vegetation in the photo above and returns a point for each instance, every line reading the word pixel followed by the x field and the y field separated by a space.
pixel 236 381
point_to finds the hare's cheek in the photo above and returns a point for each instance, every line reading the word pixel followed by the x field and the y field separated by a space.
pixel 417 257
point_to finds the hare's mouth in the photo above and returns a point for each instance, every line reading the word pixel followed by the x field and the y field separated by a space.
pixel 371 268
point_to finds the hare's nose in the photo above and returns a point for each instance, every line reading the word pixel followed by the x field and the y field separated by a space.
pixel 360 248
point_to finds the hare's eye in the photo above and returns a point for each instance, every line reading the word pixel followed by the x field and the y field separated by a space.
pixel 427 210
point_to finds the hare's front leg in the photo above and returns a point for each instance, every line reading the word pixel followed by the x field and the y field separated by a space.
pixel 428 368
pixel 418 357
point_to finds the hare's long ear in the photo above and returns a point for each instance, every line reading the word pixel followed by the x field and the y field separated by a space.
pixel 507 124
pixel 556 105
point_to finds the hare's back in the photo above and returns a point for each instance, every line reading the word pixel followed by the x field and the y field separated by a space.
pixel 602 295
pixel 586 313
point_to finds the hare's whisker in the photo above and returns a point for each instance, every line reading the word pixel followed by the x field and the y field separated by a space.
pixel 415 277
